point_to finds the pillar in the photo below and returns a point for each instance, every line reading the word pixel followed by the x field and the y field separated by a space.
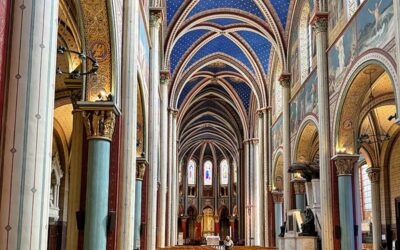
pixel 155 24
pixel 28 125
pixel 320 25
pixel 164 80
pixel 300 190
pixel 232 226
pixel 140 171
pixel 277 196
pixel 126 237
pixel 75 171
pixel 169 193
pixel 374 176
pixel 216 224
pixel 284 80
pixel 344 165
pixel 247 218
pixel 99 123
pixel 174 181
pixel 184 226
pixel 259 182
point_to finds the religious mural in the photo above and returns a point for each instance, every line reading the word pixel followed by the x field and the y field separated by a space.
pixel 144 53
pixel 277 134
pixel 372 28
pixel 336 11
pixel 304 103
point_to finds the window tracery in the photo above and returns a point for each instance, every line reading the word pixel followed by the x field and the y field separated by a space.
pixel 365 191
pixel 208 173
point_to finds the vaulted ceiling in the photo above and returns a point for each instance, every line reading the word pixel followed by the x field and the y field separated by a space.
pixel 218 54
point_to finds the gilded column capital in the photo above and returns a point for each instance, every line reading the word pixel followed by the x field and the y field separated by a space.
pixel 345 163
pixel 156 17
pixel 277 196
pixel 99 119
pixel 140 169
pixel 374 174
pixel 285 79
pixel 216 218
pixel 319 22
pixel 164 77
pixel 299 185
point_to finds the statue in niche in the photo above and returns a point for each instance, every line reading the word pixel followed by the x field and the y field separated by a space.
pixel 308 226
pixel 55 182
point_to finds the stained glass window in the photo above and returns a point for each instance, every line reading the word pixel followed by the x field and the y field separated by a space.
pixel 208 173
pixel 234 173
pixel 224 172
pixel 365 186
pixel 191 173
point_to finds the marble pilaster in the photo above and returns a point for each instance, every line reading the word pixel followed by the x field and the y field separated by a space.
pixel 374 176
pixel 320 25
pixel 28 125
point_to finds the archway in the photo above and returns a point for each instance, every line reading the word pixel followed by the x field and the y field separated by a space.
pixel 366 129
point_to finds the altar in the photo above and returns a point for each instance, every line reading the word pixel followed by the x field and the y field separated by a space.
pixel 212 240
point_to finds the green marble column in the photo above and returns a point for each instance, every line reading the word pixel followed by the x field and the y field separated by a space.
pixel 140 170
pixel 99 123
pixel 277 197
pixel 299 190
pixel 344 165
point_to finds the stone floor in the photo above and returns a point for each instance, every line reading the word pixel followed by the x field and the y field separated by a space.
pixel 221 248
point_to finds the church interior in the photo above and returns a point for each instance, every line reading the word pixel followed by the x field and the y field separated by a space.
pixel 175 124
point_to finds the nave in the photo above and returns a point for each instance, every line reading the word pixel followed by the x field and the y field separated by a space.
pixel 173 124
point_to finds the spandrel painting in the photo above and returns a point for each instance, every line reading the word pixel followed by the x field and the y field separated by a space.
pixel 304 103
pixel 373 27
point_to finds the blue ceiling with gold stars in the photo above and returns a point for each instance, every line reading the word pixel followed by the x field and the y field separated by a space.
pixel 234 37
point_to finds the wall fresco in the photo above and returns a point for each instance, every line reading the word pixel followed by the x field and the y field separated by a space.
pixel 277 134
pixel 373 27
pixel 304 103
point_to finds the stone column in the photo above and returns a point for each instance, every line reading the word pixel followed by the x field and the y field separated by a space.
pixel 99 120
pixel 320 25
pixel 184 226
pixel 28 125
pixel 258 188
pixel 126 230
pixel 277 196
pixel 155 24
pixel 374 175
pixel 216 224
pixel 140 171
pixel 232 225
pixel 164 80
pixel 174 190
pixel 169 207
pixel 344 165
pixel 300 190
pixel 75 171
pixel 285 83
pixel 247 219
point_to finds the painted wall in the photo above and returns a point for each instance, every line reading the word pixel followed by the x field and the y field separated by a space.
pixel 4 13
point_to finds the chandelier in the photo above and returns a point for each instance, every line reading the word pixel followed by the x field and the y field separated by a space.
pixel 76 74
pixel 372 138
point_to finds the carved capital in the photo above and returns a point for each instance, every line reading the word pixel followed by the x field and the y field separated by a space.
pixel 373 174
pixel 164 77
pixel 320 22
pixel 345 164
pixel 277 196
pixel 299 185
pixel 284 80
pixel 174 112
pixel 156 18
pixel 216 218
pixel 140 169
